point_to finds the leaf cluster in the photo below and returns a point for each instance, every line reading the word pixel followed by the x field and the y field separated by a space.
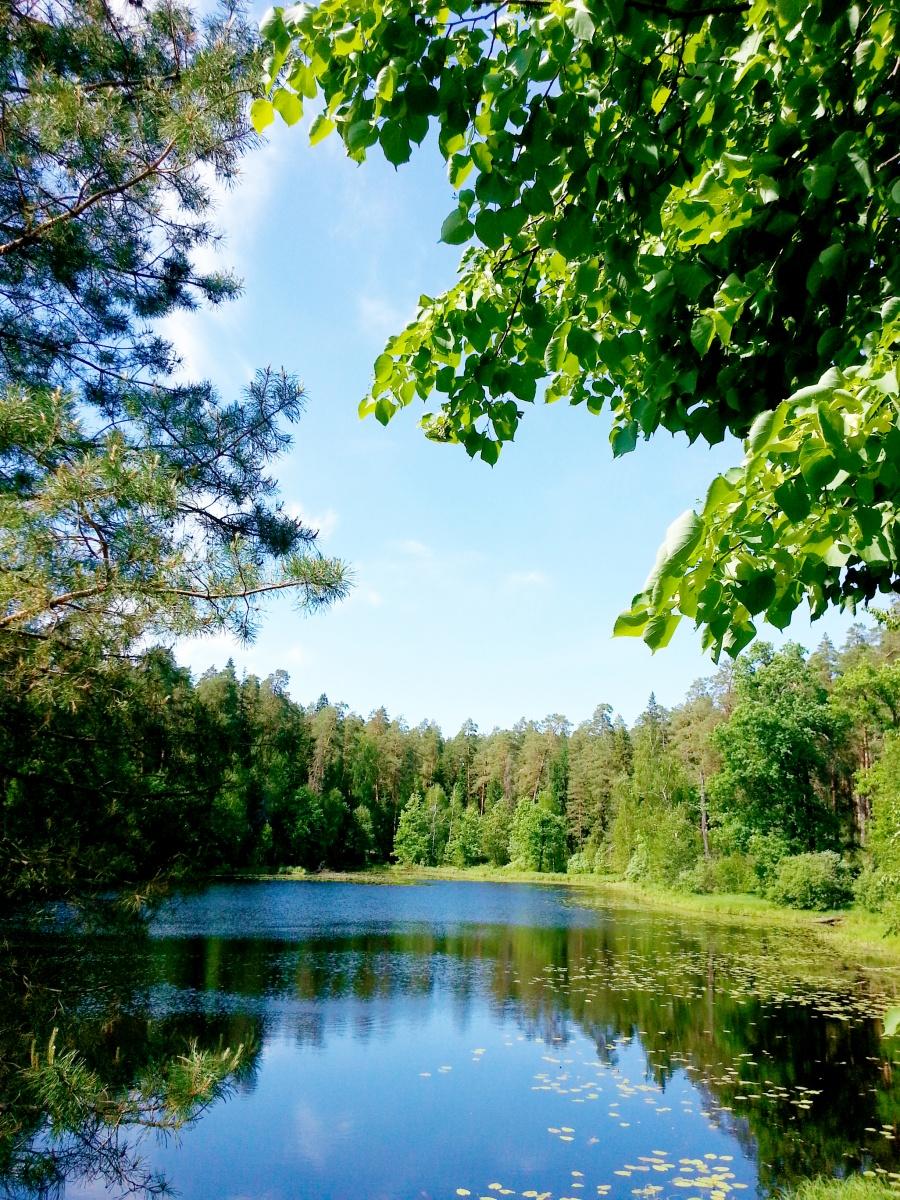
pixel 682 212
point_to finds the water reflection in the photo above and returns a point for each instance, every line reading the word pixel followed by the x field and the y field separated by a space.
pixel 404 1041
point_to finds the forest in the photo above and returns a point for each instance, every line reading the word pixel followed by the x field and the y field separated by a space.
pixel 777 775
pixel 676 216
pixel 138 506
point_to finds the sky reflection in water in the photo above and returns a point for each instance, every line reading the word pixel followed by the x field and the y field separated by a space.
pixel 485 1039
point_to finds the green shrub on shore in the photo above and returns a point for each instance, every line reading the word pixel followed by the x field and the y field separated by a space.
pixel 815 881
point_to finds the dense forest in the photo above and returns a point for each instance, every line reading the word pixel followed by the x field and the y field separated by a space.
pixel 779 774
pixel 137 507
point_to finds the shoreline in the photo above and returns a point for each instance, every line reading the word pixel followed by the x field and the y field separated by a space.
pixel 849 929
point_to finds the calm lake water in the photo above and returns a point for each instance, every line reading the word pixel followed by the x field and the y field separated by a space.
pixel 453 1039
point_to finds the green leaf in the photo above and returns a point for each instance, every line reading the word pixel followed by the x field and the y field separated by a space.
pixel 892 1022
pixel 757 593
pixel 288 106
pixel 360 135
pixel 385 82
pixel 555 354
pixel 320 129
pixel 817 466
pixel 303 80
pixel 660 629
pixel 457 228
pixel 721 490
pixel 489 228
pixel 384 368
pixel 624 439
pixel 793 499
pixel 271 25
pixel 262 114
pixel 765 429
pixel 632 623
pixel 703 331
pixel 394 143
pixel 490 451
pixel 580 21
pixel 384 410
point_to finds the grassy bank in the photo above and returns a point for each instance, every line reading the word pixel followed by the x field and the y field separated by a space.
pixel 857 1187
pixel 845 929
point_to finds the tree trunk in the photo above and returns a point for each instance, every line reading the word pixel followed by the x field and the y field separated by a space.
pixel 704 816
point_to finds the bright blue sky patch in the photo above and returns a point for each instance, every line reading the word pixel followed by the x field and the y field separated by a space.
pixel 480 593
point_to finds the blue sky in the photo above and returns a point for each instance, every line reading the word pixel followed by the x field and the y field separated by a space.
pixel 479 593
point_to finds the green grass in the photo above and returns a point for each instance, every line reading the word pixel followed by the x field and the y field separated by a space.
pixel 856 1187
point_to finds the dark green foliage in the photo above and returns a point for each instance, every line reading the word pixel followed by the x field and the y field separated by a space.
pixel 874 889
pixel 777 751
pixel 114 121
pixel 537 839
pixel 495 833
pixel 131 502
pixel 112 771
pixel 111 781
pixel 817 881
pixel 882 785
pixel 465 842
pixel 684 214
pixel 412 841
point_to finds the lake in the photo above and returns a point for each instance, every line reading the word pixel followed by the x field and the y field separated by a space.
pixel 453 1039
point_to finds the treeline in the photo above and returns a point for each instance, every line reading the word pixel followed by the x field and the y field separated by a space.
pixel 779 774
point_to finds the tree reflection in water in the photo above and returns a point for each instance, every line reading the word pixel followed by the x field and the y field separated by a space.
pixel 109 1041
pixel 83 1081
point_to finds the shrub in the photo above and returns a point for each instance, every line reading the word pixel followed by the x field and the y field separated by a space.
pixel 767 850
pixel 882 784
pixel 729 873
pixel 582 862
pixel 873 889
pixel 697 879
pixel 735 873
pixel 464 841
pixel 638 865
pixel 815 881
pixel 412 841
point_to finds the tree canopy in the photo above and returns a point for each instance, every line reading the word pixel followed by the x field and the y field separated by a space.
pixel 682 212
pixel 131 501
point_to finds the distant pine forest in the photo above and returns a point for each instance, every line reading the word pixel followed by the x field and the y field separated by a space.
pixel 779 774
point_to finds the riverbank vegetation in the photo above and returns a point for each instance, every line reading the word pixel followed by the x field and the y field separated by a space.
pixel 774 778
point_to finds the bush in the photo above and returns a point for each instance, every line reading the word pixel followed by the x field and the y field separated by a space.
pixel 638 865
pixel 495 827
pixel 735 873
pixel 882 784
pixel 767 850
pixel 463 847
pixel 582 862
pixel 730 873
pixel 873 889
pixel 815 881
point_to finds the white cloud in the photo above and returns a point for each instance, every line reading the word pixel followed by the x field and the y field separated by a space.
pixel 296 655
pixel 326 521
pixel 525 579
pixel 379 317
pixel 413 548
pixel 200 653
